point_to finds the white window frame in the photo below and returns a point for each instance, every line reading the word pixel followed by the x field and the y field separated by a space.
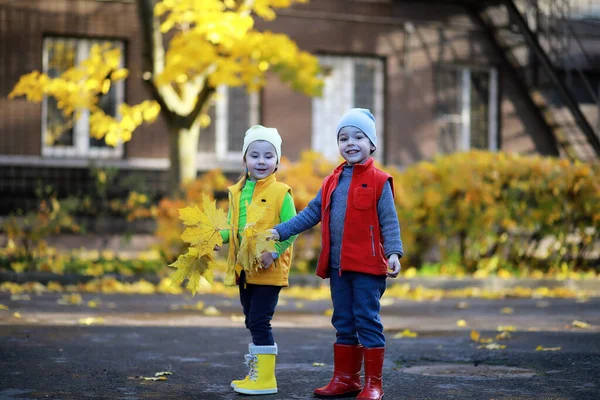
pixel 338 97
pixel 81 133
pixel 222 156
pixel 464 115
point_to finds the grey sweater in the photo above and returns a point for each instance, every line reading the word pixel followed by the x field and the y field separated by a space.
pixel 311 215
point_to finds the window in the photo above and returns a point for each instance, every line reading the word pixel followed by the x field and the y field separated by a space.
pixel 467 108
pixel 233 113
pixel 350 82
pixel 70 137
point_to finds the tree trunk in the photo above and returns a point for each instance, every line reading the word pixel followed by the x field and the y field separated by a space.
pixel 183 150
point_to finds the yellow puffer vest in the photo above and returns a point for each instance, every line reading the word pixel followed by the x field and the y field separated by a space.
pixel 270 193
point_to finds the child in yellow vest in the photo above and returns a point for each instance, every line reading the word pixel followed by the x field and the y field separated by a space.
pixel 259 292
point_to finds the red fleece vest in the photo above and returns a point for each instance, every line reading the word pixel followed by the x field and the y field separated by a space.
pixel 362 244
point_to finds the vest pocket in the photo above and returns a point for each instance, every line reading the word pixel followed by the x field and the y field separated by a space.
pixel 363 198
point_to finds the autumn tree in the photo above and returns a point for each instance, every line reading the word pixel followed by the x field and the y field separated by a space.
pixel 189 49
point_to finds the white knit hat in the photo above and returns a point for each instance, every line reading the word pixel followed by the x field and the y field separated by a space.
pixel 259 132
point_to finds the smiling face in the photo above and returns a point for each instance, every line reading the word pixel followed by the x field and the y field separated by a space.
pixel 260 159
pixel 354 145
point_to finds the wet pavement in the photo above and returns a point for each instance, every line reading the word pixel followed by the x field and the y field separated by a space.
pixel 48 351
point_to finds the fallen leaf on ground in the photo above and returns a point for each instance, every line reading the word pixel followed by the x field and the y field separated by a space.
pixel 507 310
pixel 3 307
pixel 94 303
pixel 154 378
pixel 17 315
pixel 316 364
pixel 68 299
pixel 503 335
pixel 581 324
pixel 507 328
pixel 91 320
pixel 212 311
pixel 163 373
pixel 492 346
pixel 405 333
pixel 542 348
pixel 461 323
pixel 475 335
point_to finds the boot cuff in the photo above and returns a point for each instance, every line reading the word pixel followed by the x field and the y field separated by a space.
pixel 264 349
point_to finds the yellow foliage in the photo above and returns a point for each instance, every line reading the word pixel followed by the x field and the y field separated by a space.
pixel 217 40
pixel 80 87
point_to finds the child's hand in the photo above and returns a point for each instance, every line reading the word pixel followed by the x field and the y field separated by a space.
pixel 266 260
pixel 274 235
pixel 217 247
pixel 394 266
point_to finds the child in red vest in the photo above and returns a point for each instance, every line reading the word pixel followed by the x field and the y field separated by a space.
pixel 361 246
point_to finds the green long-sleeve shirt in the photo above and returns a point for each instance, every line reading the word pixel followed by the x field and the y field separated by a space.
pixel 287 212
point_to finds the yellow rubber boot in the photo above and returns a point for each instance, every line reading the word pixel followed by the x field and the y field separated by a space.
pixel 249 361
pixel 262 379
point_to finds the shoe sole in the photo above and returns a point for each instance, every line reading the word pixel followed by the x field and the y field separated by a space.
pixel 353 393
pixel 248 391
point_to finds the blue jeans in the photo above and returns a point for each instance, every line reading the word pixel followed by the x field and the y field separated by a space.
pixel 258 303
pixel 356 308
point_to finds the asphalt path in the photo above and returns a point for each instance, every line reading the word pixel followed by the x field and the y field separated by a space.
pixel 47 350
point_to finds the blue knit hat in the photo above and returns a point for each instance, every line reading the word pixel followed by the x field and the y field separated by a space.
pixel 362 119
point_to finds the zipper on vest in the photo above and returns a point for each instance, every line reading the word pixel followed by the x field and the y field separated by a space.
pixel 372 240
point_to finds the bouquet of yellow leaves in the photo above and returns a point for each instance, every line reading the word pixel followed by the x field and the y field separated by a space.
pixel 254 242
pixel 203 233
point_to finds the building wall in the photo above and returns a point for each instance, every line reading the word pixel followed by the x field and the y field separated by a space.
pixel 414 39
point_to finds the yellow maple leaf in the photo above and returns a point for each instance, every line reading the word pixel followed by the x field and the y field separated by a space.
pixel 204 231
pixel 461 323
pixel 254 242
pixel 475 335
pixel 192 266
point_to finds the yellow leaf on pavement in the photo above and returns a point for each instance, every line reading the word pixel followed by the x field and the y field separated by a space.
pixel 542 348
pixel 461 323
pixel 316 364
pixel 492 346
pixel 3 307
pixel 507 328
pixel 581 324
pixel 91 320
pixel 503 335
pixel 475 335
pixel 154 378
pixel 212 311
pixel 507 310
pixel 17 315
pixel 407 333
pixel 163 373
